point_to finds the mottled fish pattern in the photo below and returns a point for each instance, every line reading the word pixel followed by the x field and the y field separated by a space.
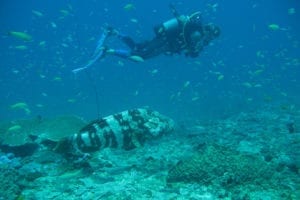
pixel 127 130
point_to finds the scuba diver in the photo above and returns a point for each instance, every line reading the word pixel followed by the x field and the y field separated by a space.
pixel 182 34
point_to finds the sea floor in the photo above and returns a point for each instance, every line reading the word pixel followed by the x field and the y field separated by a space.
pixel 254 155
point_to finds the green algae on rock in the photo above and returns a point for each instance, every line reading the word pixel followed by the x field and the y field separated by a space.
pixel 53 129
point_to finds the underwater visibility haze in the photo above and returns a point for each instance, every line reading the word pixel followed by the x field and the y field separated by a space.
pixel 239 97
pixel 254 61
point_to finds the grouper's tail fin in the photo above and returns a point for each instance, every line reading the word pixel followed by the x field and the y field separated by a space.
pixel 63 146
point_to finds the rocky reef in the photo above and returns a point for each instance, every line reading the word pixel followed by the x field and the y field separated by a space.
pixel 252 155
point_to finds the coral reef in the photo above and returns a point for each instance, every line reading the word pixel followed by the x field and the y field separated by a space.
pixel 251 155
pixel 10 178
pixel 217 164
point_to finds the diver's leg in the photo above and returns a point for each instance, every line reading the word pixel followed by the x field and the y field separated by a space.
pixel 127 40
pixel 126 54
pixel 122 53
pixel 124 38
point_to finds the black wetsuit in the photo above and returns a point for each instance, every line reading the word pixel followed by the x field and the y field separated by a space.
pixel 170 42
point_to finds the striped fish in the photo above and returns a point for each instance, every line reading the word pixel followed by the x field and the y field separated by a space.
pixel 127 130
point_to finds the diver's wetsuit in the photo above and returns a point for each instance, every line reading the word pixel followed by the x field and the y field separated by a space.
pixel 145 50
pixel 172 37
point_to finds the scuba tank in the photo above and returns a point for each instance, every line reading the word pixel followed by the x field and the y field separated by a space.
pixel 172 26
pixel 168 28
pixel 180 24
pixel 184 32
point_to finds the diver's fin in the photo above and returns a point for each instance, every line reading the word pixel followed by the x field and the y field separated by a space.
pixel 98 52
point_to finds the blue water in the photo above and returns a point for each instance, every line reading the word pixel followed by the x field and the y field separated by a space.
pixel 180 87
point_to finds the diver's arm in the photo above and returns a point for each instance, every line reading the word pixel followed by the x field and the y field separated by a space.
pixel 122 53
pixel 180 18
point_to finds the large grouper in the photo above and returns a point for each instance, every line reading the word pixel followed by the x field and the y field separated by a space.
pixel 127 130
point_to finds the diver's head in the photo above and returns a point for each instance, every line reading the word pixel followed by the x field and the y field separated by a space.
pixel 212 31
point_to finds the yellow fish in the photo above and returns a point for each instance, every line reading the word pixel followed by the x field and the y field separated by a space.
pixel 20 35
pixel 274 27
pixel 71 100
pixel 37 13
pixel 247 84
pixel 64 12
pixel 186 84
pixel 21 47
pixel 259 71
pixel 19 105
pixel 14 128
pixel 137 58
pixel 42 43
pixel 291 11
pixel 57 78
pixel 196 98
pixel 133 20
pixel 154 71
pixel 129 7
pixel 220 77
pixel 39 105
